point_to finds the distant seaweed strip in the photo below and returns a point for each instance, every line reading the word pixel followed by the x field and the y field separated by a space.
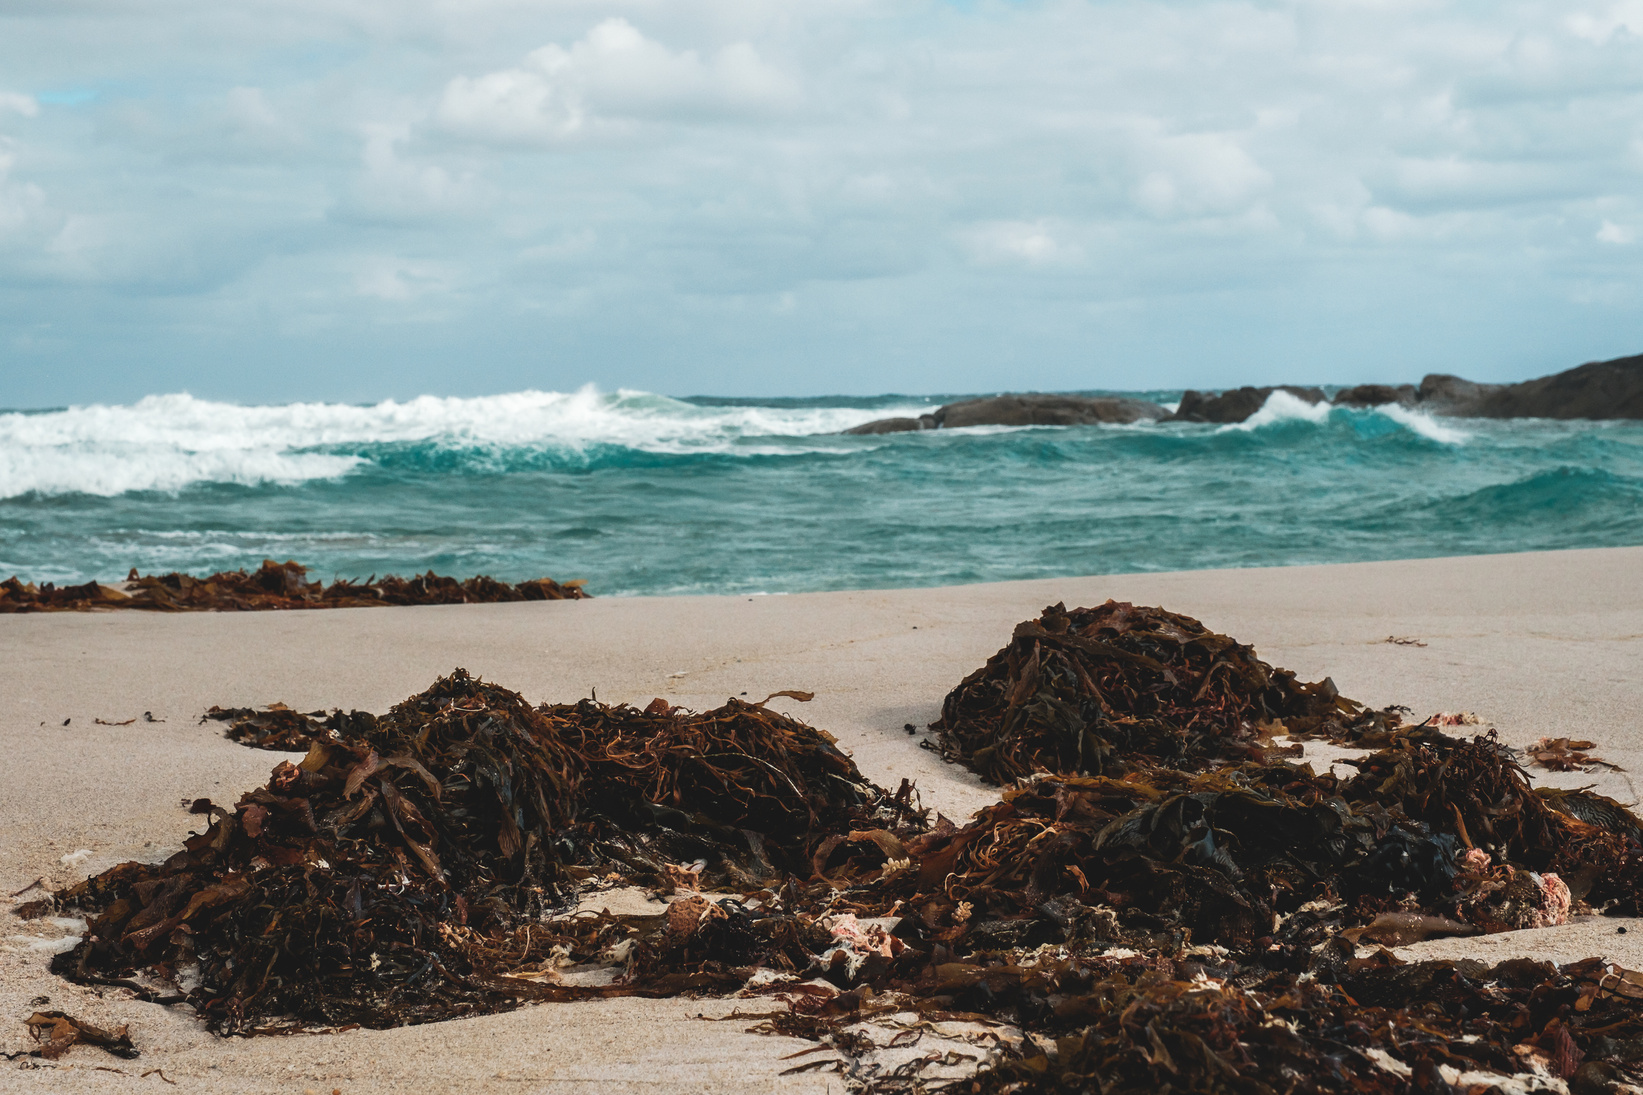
pixel 274 586
pixel 1161 900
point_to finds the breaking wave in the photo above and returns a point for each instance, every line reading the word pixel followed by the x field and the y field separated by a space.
pixel 641 493
pixel 172 442
pixel 1284 409
pixel 168 442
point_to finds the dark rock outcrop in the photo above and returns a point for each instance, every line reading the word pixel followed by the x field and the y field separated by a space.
pixel 1375 395
pixel 895 425
pixel 1598 389
pixel 1237 404
pixel 1031 409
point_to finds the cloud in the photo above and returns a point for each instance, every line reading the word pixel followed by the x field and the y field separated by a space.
pixel 395 279
pixel 1601 24
pixel 1196 174
pixel 22 205
pixel 668 193
pixel 612 76
pixel 394 188
pixel 1611 232
pixel 26 105
pixel 1029 243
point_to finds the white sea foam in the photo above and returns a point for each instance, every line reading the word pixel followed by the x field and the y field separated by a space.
pixel 166 442
pixel 1281 406
pixel 1424 424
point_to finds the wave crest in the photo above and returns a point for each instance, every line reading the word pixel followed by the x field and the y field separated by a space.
pixel 1282 408
pixel 168 442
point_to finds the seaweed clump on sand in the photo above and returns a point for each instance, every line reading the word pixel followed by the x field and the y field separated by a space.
pixel 1200 913
pixel 407 864
pixel 274 586
pixel 1104 690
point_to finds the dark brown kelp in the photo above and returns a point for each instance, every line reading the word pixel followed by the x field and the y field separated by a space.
pixel 419 866
pixel 1144 1026
pixel 274 586
pixel 1102 690
pixel 383 879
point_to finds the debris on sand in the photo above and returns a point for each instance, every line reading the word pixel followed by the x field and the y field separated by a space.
pixel 1162 899
pixel 1566 755
pixel 279 727
pixel 1108 689
pixel 403 866
pixel 57 1032
pixel 274 586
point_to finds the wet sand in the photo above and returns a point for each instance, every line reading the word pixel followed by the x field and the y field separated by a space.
pixel 1541 644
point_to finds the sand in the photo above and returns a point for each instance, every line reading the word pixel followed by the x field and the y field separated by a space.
pixel 1535 644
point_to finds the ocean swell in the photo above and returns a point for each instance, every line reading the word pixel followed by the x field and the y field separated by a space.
pixel 640 493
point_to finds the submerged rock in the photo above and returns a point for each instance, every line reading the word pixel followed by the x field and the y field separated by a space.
pixel 1028 409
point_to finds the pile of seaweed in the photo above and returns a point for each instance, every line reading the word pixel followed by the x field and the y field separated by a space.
pixel 274 586
pixel 1181 907
pixel 395 873
pixel 1109 689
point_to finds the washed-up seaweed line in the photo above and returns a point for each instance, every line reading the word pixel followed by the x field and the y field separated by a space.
pixel 1165 901
pixel 274 586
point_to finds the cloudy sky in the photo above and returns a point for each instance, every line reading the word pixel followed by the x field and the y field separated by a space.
pixel 270 200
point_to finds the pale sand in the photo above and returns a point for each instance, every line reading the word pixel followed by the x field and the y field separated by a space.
pixel 1537 644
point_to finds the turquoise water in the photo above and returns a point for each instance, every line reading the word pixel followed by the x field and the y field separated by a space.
pixel 640 493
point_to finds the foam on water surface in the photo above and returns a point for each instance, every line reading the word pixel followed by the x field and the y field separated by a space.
pixel 167 442
pixel 643 493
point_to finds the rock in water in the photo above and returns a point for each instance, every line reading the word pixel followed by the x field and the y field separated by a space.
pixel 1237 404
pixel 1375 395
pixel 1598 389
pixel 895 425
pixel 1030 409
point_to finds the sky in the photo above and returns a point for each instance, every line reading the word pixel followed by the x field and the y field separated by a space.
pixel 274 200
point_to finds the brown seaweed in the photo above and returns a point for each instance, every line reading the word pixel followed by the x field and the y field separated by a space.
pixel 1168 901
pixel 385 878
pixel 1566 755
pixel 274 586
pixel 1099 691
pixel 57 1032
pixel 278 727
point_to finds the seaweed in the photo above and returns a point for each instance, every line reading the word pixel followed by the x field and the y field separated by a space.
pixel 1163 898
pixel 398 871
pixel 1566 755
pixel 273 586
pixel 277 726
pixel 57 1032
pixel 1103 690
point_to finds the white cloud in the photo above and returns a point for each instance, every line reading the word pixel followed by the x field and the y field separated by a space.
pixel 26 105
pixel 396 279
pixel 393 187
pixel 613 75
pixel 22 204
pixel 1601 24
pixel 1196 174
pixel 1033 243
pixel 1615 233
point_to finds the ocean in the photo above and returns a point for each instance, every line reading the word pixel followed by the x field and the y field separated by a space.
pixel 645 494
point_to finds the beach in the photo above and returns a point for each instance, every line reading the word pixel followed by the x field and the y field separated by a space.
pixel 1541 644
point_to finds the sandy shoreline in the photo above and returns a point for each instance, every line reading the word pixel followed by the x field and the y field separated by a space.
pixel 1536 644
